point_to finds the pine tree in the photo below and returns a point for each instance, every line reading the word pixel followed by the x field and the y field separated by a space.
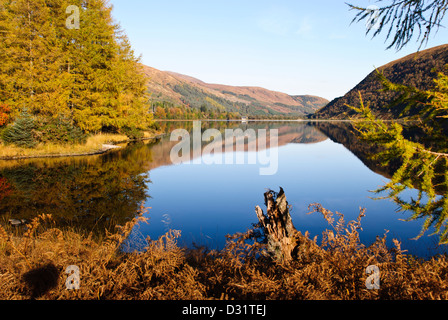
pixel 21 132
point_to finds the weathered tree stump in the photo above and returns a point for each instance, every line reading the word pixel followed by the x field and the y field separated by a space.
pixel 282 237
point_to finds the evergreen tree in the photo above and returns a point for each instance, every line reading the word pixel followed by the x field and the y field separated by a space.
pixel 21 132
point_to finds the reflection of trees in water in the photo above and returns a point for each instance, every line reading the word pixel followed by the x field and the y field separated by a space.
pixel 420 182
pixel 102 191
pixel 87 193
pixel 344 133
pixel 410 157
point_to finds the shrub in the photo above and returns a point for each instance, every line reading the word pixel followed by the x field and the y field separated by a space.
pixel 60 130
pixel 4 114
pixel 133 133
pixel 21 132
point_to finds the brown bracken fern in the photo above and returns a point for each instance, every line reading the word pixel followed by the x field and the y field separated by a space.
pixel 332 269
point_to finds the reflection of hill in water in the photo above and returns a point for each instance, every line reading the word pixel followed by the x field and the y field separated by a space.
pixel 302 133
pixel 98 192
pixel 343 133
pixel 288 132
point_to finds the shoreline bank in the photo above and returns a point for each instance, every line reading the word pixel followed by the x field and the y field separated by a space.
pixel 104 148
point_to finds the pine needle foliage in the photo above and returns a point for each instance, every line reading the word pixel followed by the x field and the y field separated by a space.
pixel 423 165
pixel 403 19
pixel 21 132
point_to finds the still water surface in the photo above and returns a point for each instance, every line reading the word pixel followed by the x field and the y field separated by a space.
pixel 319 162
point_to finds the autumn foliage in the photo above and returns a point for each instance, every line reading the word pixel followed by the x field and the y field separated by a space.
pixel 5 188
pixel 89 75
pixel 4 114
pixel 332 269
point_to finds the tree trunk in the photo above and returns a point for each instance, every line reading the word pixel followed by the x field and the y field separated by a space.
pixel 282 237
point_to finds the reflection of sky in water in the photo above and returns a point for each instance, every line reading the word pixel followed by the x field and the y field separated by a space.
pixel 206 202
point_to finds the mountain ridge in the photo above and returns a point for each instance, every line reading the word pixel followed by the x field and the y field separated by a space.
pixel 416 70
pixel 185 90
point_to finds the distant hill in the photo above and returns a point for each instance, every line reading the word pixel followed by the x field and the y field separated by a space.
pixel 251 101
pixel 414 70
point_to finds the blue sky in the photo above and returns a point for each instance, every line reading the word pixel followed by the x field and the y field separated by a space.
pixel 297 47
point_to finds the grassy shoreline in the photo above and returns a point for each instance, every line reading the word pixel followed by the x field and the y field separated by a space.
pixel 96 144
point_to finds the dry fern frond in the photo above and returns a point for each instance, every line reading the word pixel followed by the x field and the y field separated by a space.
pixel 333 269
pixel 3 234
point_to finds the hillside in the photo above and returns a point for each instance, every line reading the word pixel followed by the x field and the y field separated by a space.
pixel 414 70
pixel 178 89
